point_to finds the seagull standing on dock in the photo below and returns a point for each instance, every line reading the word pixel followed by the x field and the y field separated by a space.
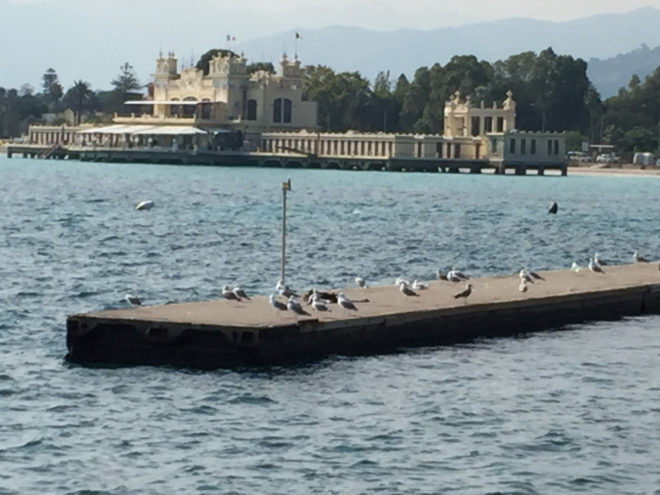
pixel 345 302
pixel 318 304
pixel 638 258
pixel 575 267
pixel 594 267
pixel 276 304
pixel 417 285
pixel 240 293
pixel 465 293
pixel 406 290
pixel 454 275
pixel 525 276
pixel 598 261
pixel 533 274
pixel 133 300
pixel 227 293
pixel 360 282
pixel 293 305
pixel 284 290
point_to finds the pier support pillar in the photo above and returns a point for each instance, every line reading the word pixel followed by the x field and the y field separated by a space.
pixel 541 171
pixel 564 170
pixel 520 170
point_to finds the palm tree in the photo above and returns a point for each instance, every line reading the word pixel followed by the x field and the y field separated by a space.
pixel 79 97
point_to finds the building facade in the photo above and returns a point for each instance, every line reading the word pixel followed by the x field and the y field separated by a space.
pixel 226 97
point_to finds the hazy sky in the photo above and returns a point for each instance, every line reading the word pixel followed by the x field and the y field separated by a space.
pixel 90 39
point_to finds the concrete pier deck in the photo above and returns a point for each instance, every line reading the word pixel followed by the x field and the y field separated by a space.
pixel 222 333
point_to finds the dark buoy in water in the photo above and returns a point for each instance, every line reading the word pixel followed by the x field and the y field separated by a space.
pixel 553 208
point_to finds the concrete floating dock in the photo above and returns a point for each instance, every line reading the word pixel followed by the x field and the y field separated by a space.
pixel 222 333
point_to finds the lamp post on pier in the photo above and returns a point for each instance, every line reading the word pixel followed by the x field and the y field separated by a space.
pixel 286 186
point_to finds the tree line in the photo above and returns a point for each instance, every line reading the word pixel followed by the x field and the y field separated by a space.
pixel 552 93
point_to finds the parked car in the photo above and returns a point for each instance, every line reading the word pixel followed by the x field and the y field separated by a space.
pixel 606 158
pixel 644 158
pixel 578 157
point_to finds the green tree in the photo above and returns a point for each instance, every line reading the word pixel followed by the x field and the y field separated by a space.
pixel 79 97
pixel 203 62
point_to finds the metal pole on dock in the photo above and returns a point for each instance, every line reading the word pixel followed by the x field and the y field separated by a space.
pixel 286 186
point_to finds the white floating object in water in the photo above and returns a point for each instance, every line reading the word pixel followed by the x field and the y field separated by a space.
pixel 145 205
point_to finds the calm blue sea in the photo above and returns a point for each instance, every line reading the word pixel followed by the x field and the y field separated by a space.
pixel 576 410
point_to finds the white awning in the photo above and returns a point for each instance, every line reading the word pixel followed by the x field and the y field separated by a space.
pixel 116 129
pixel 170 130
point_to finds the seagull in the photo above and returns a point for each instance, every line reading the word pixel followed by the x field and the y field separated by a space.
pixel 638 258
pixel 456 276
pixel 416 285
pixel 553 208
pixel 575 267
pixel 464 293
pixel 284 290
pixel 240 293
pixel 594 267
pixel 534 274
pixel 318 304
pixel 441 275
pixel 294 305
pixel 345 302
pixel 400 281
pixel 406 290
pixel 276 304
pixel 360 282
pixel 228 294
pixel 598 261
pixel 523 286
pixel 133 300
pixel 145 205
pixel 525 276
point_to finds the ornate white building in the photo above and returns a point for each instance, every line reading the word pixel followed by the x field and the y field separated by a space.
pixel 226 97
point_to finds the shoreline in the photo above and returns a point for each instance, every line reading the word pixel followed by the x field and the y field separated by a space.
pixel 615 171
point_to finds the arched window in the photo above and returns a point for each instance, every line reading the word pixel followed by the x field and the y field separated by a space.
pixel 251 110
pixel 282 110
pixel 277 110
pixel 286 111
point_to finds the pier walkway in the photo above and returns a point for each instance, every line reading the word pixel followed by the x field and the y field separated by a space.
pixel 222 333
pixel 281 160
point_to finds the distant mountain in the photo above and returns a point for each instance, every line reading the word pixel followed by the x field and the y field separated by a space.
pixel 403 51
pixel 610 74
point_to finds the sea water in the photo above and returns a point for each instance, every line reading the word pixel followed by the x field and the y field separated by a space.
pixel 571 410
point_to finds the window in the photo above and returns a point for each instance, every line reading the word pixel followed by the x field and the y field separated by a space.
pixel 532 146
pixel 512 146
pixel 556 146
pixel 438 150
pixel 549 147
pixel 523 146
pixel 277 110
pixel 475 126
pixel 286 114
pixel 457 150
pixel 500 124
pixel 251 110
pixel 488 124
pixel 493 143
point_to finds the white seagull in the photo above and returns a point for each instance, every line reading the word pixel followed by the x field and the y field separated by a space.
pixel 345 302
pixel 227 293
pixel 145 205
pixel 575 267
pixel 406 290
pixel 240 293
pixel 133 300
pixel 417 285
pixel 525 276
pixel 294 305
pixel 454 275
pixel 275 303
pixel 638 258
pixel 598 261
pixel 284 290
pixel 594 267
pixel 318 304
pixel 360 282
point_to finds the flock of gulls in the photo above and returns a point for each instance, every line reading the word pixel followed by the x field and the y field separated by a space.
pixel 322 301
pixel 286 299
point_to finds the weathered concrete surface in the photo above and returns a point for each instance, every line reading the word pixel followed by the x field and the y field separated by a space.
pixel 224 333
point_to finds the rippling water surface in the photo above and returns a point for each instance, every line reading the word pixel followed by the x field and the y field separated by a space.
pixel 576 410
